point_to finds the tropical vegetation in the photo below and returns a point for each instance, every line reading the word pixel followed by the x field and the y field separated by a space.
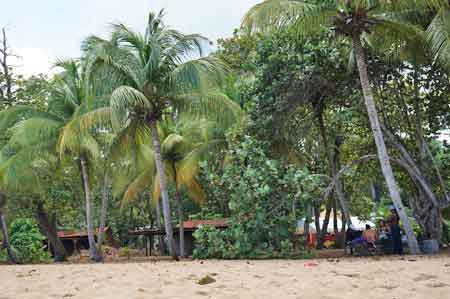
pixel 312 109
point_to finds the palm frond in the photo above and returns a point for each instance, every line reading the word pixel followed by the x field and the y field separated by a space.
pixel 124 34
pixel 198 74
pixel 181 46
pixel 130 138
pixel 126 100
pixel 172 146
pixel 90 146
pixel 137 186
pixel 69 138
pixel 397 39
pixel 438 38
pixel 212 105
pixel 406 5
pixel 15 114
pixel 98 118
pixel 274 14
pixel 156 185
pixel 24 170
pixel 34 131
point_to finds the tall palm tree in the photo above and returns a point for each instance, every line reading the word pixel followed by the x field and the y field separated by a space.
pixel 28 161
pixel 74 88
pixel 357 20
pixel 157 71
pixel 57 132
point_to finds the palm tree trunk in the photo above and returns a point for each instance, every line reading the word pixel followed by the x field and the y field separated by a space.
pixel 93 252
pixel 163 187
pixel 180 212
pixel 158 223
pixel 103 213
pixel 381 146
pixel 50 232
pixel 181 223
pixel 12 258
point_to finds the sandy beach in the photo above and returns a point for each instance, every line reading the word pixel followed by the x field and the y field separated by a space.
pixel 387 278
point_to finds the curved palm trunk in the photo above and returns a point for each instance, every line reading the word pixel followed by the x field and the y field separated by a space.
pixel 93 252
pixel 163 187
pixel 381 146
pixel 50 232
pixel 103 213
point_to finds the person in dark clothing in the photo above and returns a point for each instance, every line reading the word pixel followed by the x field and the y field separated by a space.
pixel 395 232
pixel 352 237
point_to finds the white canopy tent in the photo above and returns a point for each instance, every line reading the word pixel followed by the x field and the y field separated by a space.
pixel 357 223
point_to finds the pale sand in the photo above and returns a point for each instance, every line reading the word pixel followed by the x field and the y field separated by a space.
pixel 388 278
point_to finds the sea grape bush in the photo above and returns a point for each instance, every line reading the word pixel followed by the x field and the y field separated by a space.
pixel 265 197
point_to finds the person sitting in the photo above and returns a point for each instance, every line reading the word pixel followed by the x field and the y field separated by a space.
pixel 383 230
pixel 354 236
pixel 370 235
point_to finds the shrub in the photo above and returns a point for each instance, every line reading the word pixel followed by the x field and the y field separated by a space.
pixel 264 196
pixel 27 241
pixel 3 255
pixel 124 252
pixel 210 242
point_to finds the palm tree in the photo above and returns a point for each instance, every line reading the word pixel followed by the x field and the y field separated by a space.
pixel 157 72
pixel 28 162
pixel 184 143
pixel 42 135
pixel 74 88
pixel 379 20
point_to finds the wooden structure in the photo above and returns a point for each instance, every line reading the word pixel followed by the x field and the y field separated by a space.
pixel 189 228
pixel 74 241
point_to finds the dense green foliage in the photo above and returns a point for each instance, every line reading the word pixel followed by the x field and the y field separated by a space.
pixel 27 241
pixel 254 132
pixel 264 197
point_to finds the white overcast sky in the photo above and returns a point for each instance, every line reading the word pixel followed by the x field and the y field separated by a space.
pixel 42 30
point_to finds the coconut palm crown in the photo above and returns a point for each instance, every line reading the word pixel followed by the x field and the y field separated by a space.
pixel 159 73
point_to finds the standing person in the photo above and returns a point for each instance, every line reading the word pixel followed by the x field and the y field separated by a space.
pixel 395 232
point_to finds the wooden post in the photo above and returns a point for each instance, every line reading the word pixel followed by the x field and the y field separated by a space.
pixel 151 244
